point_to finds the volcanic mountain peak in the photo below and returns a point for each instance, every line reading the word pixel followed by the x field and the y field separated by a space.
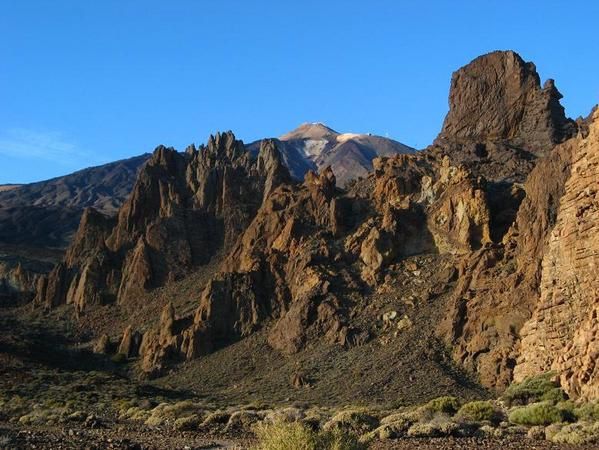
pixel 310 130
pixel 314 146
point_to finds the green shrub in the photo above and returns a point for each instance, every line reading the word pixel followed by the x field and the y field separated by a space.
pixel 531 389
pixel 555 395
pixel 187 423
pixel 447 405
pixel 479 411
pixel 170 412
pixel 577 434
pixel 242 421
pixel 390 430
pixel 354 421
pixel 587 411
pixel 296 436
pixel 539 414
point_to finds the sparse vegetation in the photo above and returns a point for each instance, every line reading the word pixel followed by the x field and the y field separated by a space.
pixel 543 413
pixel 479 411
pixel 576 434
pixel 353 421
pixel 532 390
pixel 447 405
pixel 587 411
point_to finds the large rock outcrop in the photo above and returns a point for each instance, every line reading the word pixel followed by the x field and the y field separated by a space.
pixel 500 119
pixel 498 97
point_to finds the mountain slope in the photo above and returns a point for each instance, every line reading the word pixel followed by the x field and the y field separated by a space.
pixel 102 187
pixel 46 214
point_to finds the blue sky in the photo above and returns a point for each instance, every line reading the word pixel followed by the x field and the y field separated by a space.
pixel 86 82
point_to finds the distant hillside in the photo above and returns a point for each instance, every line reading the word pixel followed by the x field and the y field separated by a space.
pixel 8 187
pixel 47 213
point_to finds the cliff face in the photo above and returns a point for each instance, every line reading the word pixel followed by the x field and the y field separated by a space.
pixel 562 332
pixel 508 318
pixel 503 125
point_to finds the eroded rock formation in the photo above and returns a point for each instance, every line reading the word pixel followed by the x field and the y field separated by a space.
pixel 183 209
pixel 507 194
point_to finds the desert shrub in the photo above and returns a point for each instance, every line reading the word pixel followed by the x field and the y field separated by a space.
pixel 554 395
pixel 14 406
pixel 119 358
pixel 315 418
pixel 242 420
pixel 587 411
pixel 187 423
pixel 285 415
pixel 354 421
pixel 77 416
pixel 530 390
pixel 170 412
pixel 296 436
pixel 394 417
pixel 479 411
pixel 577 434
pixel 446 405
pixel 135 413
pixel 552 430
pixel 424 430
pixel 45 416
pixel 543 413
pixel 216 418
pixel 491 431
pixel 439 426
pixel 392 427
pixel 286 436
pixel 536 433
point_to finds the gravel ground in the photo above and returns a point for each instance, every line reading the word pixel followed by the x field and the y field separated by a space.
pixel 59 438
pixel 15 437
pixel 512 443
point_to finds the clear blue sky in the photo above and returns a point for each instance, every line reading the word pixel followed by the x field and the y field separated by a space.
pixel 86 82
